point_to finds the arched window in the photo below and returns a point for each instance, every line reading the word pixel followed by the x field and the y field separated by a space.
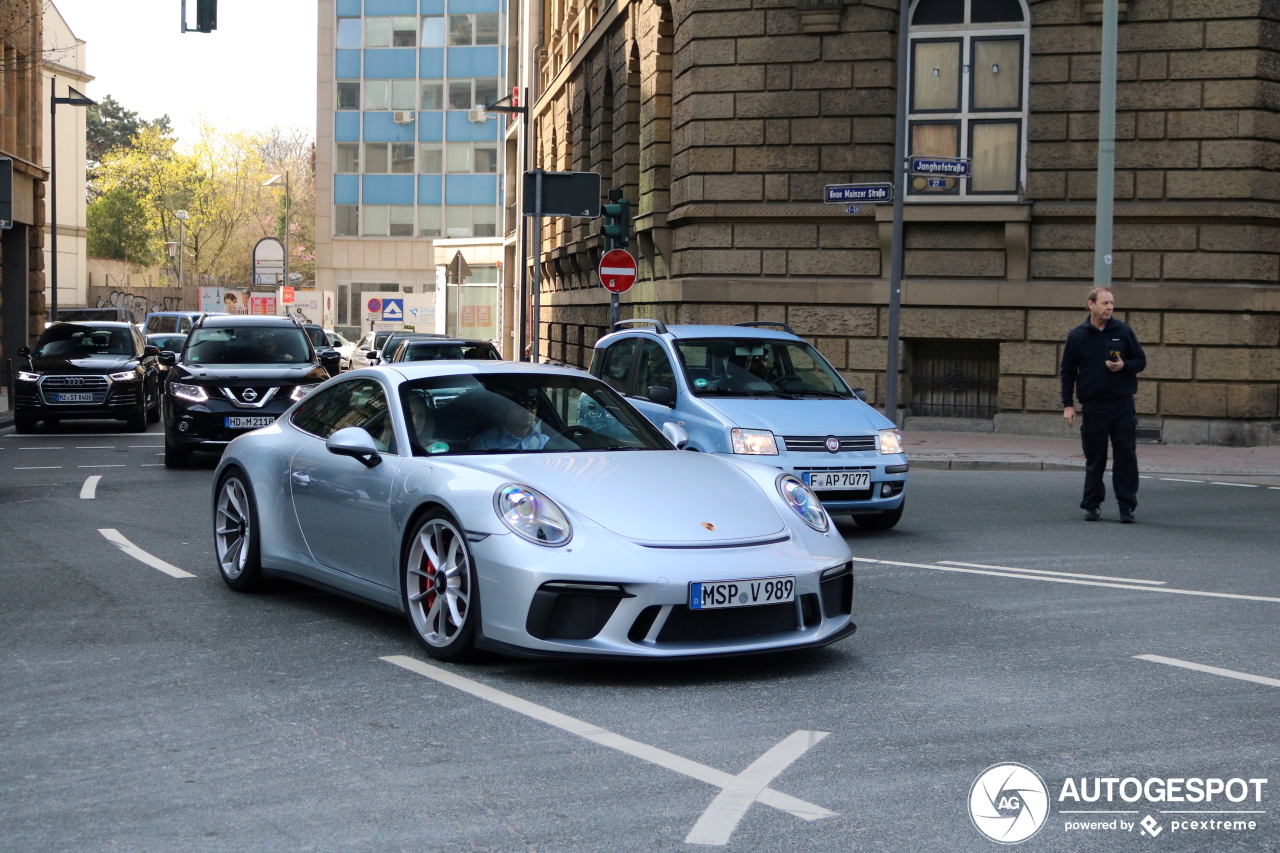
pixel 967 95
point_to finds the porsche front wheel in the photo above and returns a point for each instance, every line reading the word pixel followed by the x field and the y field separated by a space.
pixel 438 582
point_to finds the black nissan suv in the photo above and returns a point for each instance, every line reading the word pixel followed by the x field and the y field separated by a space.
pixel 90 369
pixel 235 373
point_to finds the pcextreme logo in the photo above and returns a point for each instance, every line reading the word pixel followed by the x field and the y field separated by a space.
pixel 1008 802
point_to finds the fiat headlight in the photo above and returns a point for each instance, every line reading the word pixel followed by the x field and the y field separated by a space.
pixel 24 376
pixel 890 441
pixel 801 498
pixel 532 515
pixel 123 376
pixel 756 442
pixel 193 393
pixel 302 391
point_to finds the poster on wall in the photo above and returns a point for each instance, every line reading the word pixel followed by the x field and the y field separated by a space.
pixel 236 300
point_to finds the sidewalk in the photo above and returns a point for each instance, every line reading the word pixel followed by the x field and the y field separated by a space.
pixel 986 451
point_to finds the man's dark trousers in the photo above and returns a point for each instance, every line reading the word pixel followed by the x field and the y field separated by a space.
pixel 1117 422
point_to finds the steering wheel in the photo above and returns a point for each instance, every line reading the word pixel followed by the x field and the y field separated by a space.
pixel 576 432
pixel 787 377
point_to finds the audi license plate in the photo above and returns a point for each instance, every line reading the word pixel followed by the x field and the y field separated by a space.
pixel 73 398
pixel 242 422
pixel 854 481
pixel 715 595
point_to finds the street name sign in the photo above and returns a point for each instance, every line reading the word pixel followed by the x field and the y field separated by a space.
pixel 617 271
pixel 861 193
pixel 949 167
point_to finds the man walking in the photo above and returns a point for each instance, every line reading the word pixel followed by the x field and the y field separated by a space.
pixel 1101 363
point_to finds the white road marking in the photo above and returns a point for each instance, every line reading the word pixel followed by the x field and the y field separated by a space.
pixel 1241 485
pixel 39 468
pixel 151 465
pixel 643 751
pixel 1179 480
pixel 39 448
pixel 139 446
pixel 100 466
pixel 115 538
pixel 1140 477
pixel 97 447
pixel 721 817
pixel 1046 572
pixel 1212 670
pixel 1277 488
pixel 89 490
pixel 1171 590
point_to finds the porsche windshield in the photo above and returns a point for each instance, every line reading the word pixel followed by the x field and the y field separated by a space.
pixel 521 413
pixel 248 345
pixel 756 367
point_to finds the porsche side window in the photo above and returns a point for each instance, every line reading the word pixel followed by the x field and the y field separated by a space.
pixel 367 408
pixel 616 371
pixel 655 369
pixel 319 414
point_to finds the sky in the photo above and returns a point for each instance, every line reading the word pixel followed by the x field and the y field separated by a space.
pixel 255 72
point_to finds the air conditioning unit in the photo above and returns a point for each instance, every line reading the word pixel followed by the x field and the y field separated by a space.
pixel 403 117
pixel 477 115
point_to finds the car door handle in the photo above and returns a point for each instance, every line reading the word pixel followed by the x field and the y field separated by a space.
pixel 301 478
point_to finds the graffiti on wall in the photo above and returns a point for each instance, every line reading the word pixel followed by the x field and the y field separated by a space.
pixel 139 304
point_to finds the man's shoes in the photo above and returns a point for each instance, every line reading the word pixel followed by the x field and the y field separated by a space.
pixel 1095 514
pixel 1126 516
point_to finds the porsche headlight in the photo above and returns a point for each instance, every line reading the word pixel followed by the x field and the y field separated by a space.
pixel 890 441
pixel 756 442
pixel 193 393
pixel 532 515
pixel 302 391
pixel 123 376
pixel 24 376
pixel 801 498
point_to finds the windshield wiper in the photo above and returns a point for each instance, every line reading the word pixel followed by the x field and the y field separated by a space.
pixel 815 392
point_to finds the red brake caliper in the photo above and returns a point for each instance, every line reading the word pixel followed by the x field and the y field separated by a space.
pixel 427 584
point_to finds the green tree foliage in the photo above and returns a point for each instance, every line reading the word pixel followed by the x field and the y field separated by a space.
pixel 111 126
pixel 118 228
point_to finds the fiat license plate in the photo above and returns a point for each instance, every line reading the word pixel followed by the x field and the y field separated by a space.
pixel 74 398
pixel 244 422
pixel 854 481
pixel 715 595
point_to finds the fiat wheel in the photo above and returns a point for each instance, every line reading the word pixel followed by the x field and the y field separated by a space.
pixel 235 534
pixel 439 588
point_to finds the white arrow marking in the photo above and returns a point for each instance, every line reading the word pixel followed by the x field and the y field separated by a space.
pixel 755 778
pixel 89 490
pixel 115 538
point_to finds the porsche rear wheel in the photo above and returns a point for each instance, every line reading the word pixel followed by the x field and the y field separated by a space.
pixel 438 582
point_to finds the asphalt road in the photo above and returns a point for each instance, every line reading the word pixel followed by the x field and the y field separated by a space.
pixel 146 712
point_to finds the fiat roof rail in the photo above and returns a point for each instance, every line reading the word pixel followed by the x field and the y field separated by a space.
pixel 782 326
pixel 658 326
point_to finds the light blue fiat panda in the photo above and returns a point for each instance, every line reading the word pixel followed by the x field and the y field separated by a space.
pixel 759 390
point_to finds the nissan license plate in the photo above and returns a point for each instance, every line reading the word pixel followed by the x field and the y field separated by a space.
pixel 715 595
pixel 73 398
pixel 853 481
pixel 245 422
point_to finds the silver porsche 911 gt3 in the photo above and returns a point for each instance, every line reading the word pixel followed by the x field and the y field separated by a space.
pixel 529 510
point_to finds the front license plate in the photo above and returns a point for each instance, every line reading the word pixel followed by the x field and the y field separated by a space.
pixel 845 480
pixel 715 595
pixel 249 423
pixel 73 398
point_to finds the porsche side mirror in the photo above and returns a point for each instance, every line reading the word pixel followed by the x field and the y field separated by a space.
pixel 676 434
pixel 659 394
pixel 168 359
pixel 356 443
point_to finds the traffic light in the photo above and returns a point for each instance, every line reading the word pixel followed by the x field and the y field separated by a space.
pixel 206 16
pixel 617 217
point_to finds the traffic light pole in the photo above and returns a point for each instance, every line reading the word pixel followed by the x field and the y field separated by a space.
pixel 537 263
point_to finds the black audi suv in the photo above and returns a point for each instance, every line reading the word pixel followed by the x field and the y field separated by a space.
pixel 93 369
pixel 235 373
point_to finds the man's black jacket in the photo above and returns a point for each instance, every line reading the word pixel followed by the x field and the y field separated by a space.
pixel 1084 359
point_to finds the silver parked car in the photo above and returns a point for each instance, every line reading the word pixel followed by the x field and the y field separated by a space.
pixel 529 510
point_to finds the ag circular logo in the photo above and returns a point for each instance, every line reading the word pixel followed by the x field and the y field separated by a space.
pixel 1008 802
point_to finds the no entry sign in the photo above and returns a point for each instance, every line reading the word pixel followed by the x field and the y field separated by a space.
pixel 617 271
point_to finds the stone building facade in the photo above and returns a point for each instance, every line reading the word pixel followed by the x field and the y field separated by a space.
pixel 22 290
pixel 723 119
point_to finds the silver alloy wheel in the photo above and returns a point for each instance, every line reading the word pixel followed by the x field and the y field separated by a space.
pixel 438 582
pixel 234 528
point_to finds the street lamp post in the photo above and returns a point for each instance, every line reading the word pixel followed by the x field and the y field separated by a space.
pixel 74 99
pixel 275 182
pixel 182 216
